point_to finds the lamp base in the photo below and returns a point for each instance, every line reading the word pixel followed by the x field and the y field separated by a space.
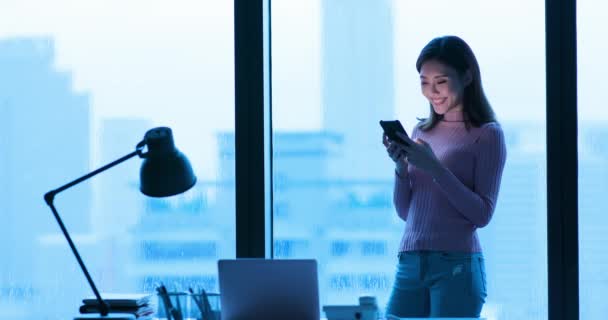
pixel 111 316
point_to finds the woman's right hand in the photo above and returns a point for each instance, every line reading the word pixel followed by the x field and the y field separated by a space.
pixel 397 153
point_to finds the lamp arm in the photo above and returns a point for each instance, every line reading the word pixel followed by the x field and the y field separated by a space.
pixel 49 198
pixel 51 194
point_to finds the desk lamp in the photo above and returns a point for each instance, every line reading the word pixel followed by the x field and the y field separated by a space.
pixel 165 171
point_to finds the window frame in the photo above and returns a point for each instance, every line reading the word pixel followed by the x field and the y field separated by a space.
pixel 562 159
pixel 253 160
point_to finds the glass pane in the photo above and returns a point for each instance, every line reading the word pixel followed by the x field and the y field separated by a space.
pixel 341 66
pixel 592 158
pixel 82 81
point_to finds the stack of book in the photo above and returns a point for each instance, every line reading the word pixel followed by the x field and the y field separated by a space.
pixel 137 304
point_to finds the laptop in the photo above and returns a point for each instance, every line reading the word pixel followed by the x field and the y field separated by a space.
pixel 263 289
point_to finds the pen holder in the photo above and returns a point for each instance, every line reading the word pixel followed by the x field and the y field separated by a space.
pixel 201 311
pixel 180 301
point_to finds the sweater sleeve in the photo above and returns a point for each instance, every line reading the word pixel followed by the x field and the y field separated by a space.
pixel 478 205
pixel 402 192
pixel 402 195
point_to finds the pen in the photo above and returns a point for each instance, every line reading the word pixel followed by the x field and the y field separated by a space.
pixel 169 310
pixel 162 292
pixel 199 304
pixel 208 314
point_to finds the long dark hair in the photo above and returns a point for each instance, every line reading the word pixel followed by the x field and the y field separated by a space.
pixel 454 52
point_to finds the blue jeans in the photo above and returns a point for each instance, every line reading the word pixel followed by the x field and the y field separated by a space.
pixel 438 284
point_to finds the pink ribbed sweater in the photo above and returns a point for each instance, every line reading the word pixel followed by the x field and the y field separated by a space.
pixel 444 213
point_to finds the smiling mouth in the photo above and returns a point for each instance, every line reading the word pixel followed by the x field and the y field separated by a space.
pixel 438 101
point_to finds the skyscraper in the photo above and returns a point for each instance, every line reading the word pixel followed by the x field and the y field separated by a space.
pixel 357 81
pixel 117 195
pixel 117 199
pixel 44 144
pixel 593 224
pixel 515 241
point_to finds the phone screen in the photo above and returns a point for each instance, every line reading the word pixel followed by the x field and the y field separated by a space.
pixel 391 127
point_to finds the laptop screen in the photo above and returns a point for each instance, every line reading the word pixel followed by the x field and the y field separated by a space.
pixel 268 289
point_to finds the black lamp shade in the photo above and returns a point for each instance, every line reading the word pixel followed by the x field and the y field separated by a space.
pixel 165 171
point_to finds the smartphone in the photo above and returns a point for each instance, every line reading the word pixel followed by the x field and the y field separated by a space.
pixel 391 127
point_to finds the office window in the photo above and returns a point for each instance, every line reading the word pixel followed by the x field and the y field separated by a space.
pixel 339 248
pixel 82 81
pixel 178 250
pixel 340 66
pixel 373 248
pixel 592 28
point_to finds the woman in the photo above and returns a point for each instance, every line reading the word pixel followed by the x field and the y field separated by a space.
pixel 447 179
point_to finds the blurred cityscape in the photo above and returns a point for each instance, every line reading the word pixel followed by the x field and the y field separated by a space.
pixel 332 194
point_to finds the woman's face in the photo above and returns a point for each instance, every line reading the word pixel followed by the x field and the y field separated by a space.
pixel 443 87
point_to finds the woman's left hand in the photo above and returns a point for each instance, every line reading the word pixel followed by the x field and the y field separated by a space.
pixel 420 154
